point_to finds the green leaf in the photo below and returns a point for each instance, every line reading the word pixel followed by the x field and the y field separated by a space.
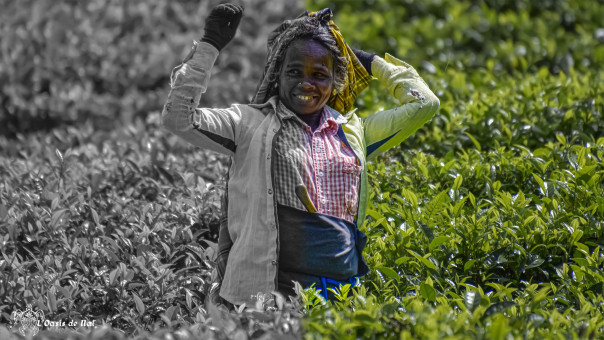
pixel 171 315
pixel 578 271
pixel 498 307
pixel 165 173
pixel 423 169
pixel 476 143
pixel 189 299
pixel 534 261
pixel 52 300
pixel 437 241
pixel 410 196
pixel 56 217
pixel 95 217
pixel 401 260
pixel 541 295
pixel 363 316
pixel 458 206
pixel 111 242
pixel 535 320
pixel 576 236
pixel 380 219
pixel 140 307
pixel 541 184
pixel 426 230
pixel 560 137
pixel 499 329
pixel 468 265
pixel 3 211
pixel 472 300
pixel 113 275
pixel 391 308
pixel 543 73
pixel 427 292
pixel 389 272
pixel 426 262
pixel 435 205
pixel 459 81
pixel 457 182
pixel 472 199
pixel 112 255
pixel 59 155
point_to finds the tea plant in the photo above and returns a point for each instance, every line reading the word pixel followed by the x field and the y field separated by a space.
pixel 485 224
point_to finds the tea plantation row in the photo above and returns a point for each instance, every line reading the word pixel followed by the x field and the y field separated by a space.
pixel 486 224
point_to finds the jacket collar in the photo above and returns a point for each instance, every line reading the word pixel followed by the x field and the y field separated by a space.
pixel 338 117
pixel 272 103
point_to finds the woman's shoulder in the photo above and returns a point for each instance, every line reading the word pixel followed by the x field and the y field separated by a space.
pixel 250 112
pixel 268 107
pixel 251 116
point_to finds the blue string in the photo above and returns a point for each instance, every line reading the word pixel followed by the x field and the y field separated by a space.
pixel 353 281
pixel 324 288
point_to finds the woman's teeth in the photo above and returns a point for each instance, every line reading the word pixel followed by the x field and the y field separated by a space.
pixel 305 97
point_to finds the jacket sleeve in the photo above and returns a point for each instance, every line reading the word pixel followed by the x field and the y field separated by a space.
pixel 213 129
pixel 389 128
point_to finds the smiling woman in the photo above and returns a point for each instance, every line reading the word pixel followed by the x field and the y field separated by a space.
pixel 297 187
pixel 306 79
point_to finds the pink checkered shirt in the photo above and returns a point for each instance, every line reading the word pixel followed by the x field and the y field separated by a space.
pixel 319 160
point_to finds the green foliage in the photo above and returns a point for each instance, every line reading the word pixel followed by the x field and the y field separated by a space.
pixel 510 110
pixel 487 223
pixel 109 61
pixel 119 228
pixel 480 244
pixel 502 35
pixel 92 232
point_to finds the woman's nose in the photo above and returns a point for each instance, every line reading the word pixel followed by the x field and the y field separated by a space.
pixel 306 84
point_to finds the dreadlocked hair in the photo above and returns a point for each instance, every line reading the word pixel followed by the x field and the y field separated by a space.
pixel 311 28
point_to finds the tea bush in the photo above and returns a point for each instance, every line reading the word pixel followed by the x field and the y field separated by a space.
pixel 487 223
pixel 66 62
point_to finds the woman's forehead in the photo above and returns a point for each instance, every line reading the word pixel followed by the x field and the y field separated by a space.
pixel 304 50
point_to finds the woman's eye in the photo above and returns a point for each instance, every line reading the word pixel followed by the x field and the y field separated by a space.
pixel 293 72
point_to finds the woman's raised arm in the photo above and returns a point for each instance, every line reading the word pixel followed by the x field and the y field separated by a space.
pixel 213 129
pixel 389 128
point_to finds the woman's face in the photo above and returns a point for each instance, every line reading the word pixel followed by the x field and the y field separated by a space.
pixel 306 78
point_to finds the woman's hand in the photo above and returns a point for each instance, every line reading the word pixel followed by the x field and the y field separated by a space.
pixel 221 25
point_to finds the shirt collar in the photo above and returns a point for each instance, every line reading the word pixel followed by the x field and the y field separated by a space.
pixel 330 119
pixel 336 115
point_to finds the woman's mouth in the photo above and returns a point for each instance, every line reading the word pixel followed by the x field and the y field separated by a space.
pixel 304 98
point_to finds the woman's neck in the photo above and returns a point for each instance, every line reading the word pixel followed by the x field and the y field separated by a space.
pixel 312 119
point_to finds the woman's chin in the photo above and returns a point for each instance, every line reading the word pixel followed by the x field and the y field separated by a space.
pixel 304 107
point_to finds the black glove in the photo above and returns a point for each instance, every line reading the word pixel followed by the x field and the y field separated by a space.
pixel 365 59
pixel 221 25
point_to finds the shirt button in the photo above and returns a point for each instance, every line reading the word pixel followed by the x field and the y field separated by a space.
pixel 322 200
pixel 321 173
pixel 270 191
pixel 274 262
pixel 275 130
pixel 268 156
